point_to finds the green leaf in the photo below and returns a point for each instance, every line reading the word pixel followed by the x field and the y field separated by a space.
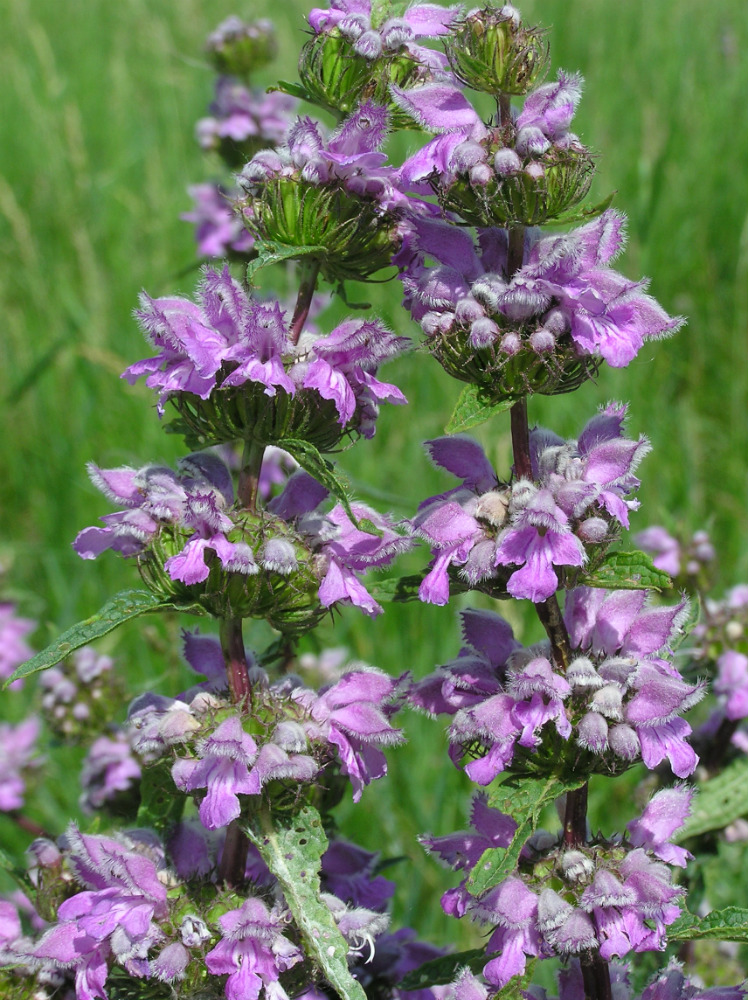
pixel 720 801
pixel 271 253
pixel 122 608
pixel 442 970
pixel 585 213
pixel 472 409
pixel 294 89
pixel 19 874
pixel 524 799
pixel 292 848
pixel 627 571
pixel 161 805
pixel 316 465
pixel 399 589
pixel 730 924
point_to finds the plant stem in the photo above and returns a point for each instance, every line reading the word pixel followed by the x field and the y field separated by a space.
pixel 505 109
pixel 521 439
pixel 596 975
pixel 575 817
pixel 233 862
pixel 29 825
pixel 249 474
pixel 232 647
pixel 552 621
pixel 309 272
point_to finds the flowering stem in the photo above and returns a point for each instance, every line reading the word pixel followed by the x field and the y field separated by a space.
pixel 505 109
pixel 596 975
pixel 233 862
pixel 309 273
pixel 552 621
pixel 575 817
pixel 521 439
pixel 232 647
pixel 249 474
pixel 29 825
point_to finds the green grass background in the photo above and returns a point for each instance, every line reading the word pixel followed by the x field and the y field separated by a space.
pixel 96 151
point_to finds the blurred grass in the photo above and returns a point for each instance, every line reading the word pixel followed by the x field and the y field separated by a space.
pixel 96 151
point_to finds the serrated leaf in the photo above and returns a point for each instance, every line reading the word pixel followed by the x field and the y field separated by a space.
pixel 292 848
pixel 627 571
pixel 442 970
pixel 720 801
pixel 399 589
pixel 161 805
pixel 310 459
pixel 524 799
pixel 472 409
pixel 585 213
pixel 730 924
pixel 123 607
pixel 271 253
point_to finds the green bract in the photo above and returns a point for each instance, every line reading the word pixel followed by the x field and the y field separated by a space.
pixel 490 53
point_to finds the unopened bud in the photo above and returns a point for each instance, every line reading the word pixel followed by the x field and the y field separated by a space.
pixel 491 52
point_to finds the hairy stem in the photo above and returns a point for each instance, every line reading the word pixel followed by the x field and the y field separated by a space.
pixel 232 647
pixel 249 474
pixel 553 622
pixel 521 439
pixel 233 862
pixel 309 273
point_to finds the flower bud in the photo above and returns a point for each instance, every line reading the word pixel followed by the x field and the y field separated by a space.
pixel 491 52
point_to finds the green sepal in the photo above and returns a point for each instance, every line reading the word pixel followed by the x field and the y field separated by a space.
pixel 721 800
pixel 292 846
pixel 442 970
pixel 472 408
pixel 626 571
pixel 524 799
pixel 272 253
pixel 585 213
pixel 123 607
pixel 730 924
pixel 161 805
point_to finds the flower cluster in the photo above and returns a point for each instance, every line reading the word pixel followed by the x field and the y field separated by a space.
pixel 243 120
pixel 619 699
pixel 78 690
pixel 337 197
pixel 191 543
pixel 577 500
pixel 686 561
pixel 229 340
pixel 539 329
pixel 352 55
pixel 670 984
pixel 219 230
pixel 612 896
pixel 292 734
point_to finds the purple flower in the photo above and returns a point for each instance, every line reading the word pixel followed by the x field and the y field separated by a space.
pixel 218 228
pixel 13 649
pixel 565 289
pixel 578 497
pixel 665 813
pixel 114 919
pixel 253 951
pixel 17 750
pixel 108 769
pixel 352 717
pixel 352 18
pixel 251 118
